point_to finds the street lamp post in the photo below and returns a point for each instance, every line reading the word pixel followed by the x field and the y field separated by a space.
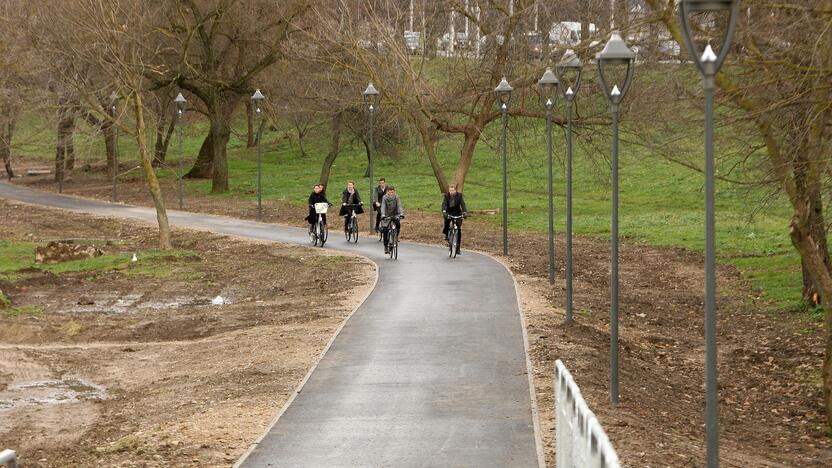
pixel 113 112
pixel 548 85
pixel 615 54
pixel 180 114
pixel 572 66
pixel 371 98
pixel 503 92
pixel 257 104
pixel 709 64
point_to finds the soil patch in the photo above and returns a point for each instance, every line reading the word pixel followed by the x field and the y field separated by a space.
pixel 770 387
pixel 133 365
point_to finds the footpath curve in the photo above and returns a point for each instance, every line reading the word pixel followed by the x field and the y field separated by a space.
pixel 431 370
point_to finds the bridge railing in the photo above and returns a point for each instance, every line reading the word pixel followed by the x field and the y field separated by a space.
pixel 8 459
pixel 580 440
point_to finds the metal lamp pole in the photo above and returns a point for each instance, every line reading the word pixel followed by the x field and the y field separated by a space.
pixel 180 113
pixel 569 64
pixel 615 53
pixel 113 111
pixel 503 92
pixel 709 64
pixel 548 86
pixel 257 104
pixel 371 98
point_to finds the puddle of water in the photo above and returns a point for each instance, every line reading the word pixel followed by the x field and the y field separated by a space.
pixel 49 392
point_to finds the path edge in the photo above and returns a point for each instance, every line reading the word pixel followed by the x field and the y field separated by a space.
pixel 538 432
pixel 253 446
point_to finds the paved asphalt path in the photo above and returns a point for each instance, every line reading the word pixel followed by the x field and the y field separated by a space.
pixel 430 371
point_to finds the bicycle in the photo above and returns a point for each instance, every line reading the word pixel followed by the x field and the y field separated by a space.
pixel 392 236
pixel 351 233
pixel 319 231
pixel 454 230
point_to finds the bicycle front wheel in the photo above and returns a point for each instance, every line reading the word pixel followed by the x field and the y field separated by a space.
pixel 323 232
pixel 394 248
pixel 453 242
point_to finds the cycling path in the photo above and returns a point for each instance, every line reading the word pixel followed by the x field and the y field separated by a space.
pixel 430 370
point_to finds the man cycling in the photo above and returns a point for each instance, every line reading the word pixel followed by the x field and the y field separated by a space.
pixel 381 190
pixel 453 204
pixel 392 208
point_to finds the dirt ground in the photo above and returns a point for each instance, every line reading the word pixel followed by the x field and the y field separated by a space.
pixel 142 370
pixel 770 387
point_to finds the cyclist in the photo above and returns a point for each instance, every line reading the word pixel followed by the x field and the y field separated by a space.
pixel 391 207
pixel 317 196
pixel 381 190
pixel 453 204
pixel 349 198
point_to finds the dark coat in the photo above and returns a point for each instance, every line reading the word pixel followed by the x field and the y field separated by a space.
pixel 453 205
pixel 356 200
pixel 315 198
pixel 380 193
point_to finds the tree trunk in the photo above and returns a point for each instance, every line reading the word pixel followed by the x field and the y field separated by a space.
pixel 334 148
pixel 150 175
pixel 220 115
pixel 6 145
pixel 251 141
pixel 203 167
pixel 64 149
pixel 429 141
pixel 466 157
pixel 162 141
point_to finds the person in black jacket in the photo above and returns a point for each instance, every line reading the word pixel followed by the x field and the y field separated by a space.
pixel 453 204
pixel 349 197
pixel 381 190
pixel 317 196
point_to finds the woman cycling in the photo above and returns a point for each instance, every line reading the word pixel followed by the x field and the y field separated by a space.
pixel 453 204
pixel 317 196
pixel 350 201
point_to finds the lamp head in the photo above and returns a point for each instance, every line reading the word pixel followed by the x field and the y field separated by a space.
pixel 570 69
pixel 708 61
pixel 180 102
pixel 371 97
pixel 503 92
pixel 548 86
pixel 257 99
pixel 616 54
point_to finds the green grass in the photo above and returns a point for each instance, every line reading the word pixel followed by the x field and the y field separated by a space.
pixel 22 310
pixel 661 202
pixel 16 256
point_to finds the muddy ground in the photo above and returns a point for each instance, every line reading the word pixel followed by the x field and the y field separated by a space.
pixel 770 387
pixel 124 369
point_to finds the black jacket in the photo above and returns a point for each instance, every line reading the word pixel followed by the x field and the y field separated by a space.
pixel 380 193
pixel 317 198
pixel 345 198
pixel 453 205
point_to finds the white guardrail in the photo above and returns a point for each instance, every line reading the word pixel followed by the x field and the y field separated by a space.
pixel 580 440
pixel 8 459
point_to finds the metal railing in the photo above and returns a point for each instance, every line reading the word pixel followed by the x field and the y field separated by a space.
pixel 580 440
pixel 8 459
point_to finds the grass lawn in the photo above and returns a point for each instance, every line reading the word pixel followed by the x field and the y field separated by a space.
pixel 661 202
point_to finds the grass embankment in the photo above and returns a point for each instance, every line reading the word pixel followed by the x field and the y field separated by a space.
pixel 661 202
pixel 17 261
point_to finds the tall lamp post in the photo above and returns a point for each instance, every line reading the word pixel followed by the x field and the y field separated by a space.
pixel 371 98
pixel 257 104
pixel 114 111
pixel 548 86
pixel 569 67
pixel 503 92
pixel 615 54
pixel 709 64
pixel 180 114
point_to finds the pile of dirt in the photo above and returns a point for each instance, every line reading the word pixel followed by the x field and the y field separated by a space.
pixel 770 361
pixel 64 251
